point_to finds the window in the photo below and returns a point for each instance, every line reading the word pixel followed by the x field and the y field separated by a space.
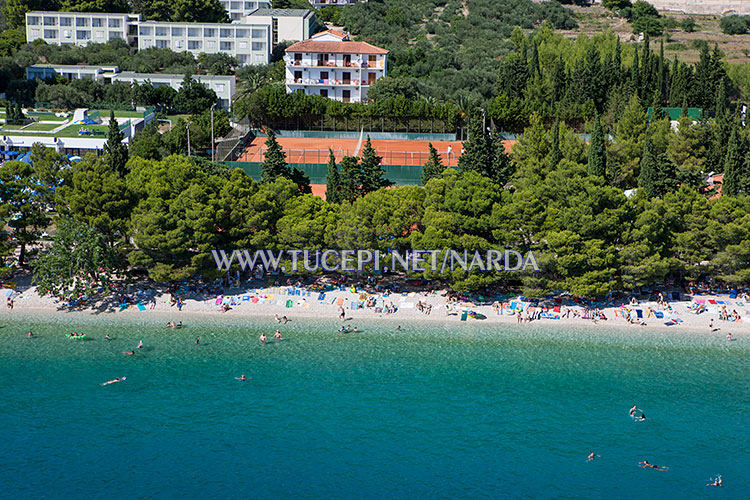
pixel 275 30
pixel 114 35
pixel 50 21
pixel 67 33
pixel 236 5
pixel 259 33
pixel 323 92
pixel 178 44
pixel 32 20
pixel 219 87
pixel 346 95
pixel 260 59
pixel 258 46
pixel 162 44
pixel 209 32
pixel 241 33
pixel 146 30
pixel 99 34
pixel 115 23
pixel 66 21
pixel 97 22
pixel 195 45
pixel 226 45
pixel 83 35
pixel 161 31
pixel 210 45
pixel 50 33
pixel 194 32
pixel 297 77
pixel 80 21
pixel 35 33
pixel 242 58
pixel 178 31
pixel 227 33
pixel 324 76
pixel 249 5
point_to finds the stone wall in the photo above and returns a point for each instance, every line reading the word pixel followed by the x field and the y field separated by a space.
pixel 716 7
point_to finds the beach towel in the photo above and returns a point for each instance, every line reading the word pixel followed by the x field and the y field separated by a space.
pixel 464 315
pixel 378 310
pixel 354 306
pixel 711 301
pixel 658 314
pixel 321 296
pixel 141 307
pixel 639 313
pixel 721 302
pixel 218 300
pixel 340 302
pixel 670 323
pixel 556 309
pixel 289 303
pixel 550 316
pixel 255 300
pixel 245 298
pixel 700 301
pixel 306 305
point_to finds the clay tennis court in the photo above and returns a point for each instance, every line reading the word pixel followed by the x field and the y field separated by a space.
pixel 315 150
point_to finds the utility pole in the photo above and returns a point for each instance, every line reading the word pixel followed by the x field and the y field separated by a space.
pixel 188 134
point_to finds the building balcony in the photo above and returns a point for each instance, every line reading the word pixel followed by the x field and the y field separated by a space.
pixel 327 82
pixel 333 64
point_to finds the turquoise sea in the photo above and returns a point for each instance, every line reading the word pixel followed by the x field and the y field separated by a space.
pixel 449 412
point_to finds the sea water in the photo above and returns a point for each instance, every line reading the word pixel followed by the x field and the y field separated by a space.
pixel 431 411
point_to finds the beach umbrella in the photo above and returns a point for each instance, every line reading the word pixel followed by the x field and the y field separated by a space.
pixel 75 158
pixel 26 158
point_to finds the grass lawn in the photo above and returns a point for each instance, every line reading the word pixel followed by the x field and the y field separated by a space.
pixel 104 113
pixel 48 117
pixel 42 126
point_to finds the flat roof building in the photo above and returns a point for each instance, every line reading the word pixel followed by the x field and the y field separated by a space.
pixel 81 28
pixel 290 25
pixel 237 9
pixel 223 86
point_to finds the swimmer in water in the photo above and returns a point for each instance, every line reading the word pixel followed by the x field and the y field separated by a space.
pixel 116 379
pixel 729 337
pixel 241 378
pixel 31 335
pixel 398 328
pixel 356 329
pixel 178 325
pixel 342 330
pixel 262 338
pixel 640 417
pixel 277 335
pixel 633 410
pixel 140 344
pixel 197 340
pixel 592 456
pixel 107 337
pixel 647 465
pixel 129 353
pixel 717 482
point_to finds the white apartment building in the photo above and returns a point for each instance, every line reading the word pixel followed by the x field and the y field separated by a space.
pixel 250 39
pixel 80 28
pixel 101 74
pixel 292 25
pixel 237 9
pixel 224 86
pixel 331 65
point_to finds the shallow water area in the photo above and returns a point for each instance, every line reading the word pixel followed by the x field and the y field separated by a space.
pixel 431 411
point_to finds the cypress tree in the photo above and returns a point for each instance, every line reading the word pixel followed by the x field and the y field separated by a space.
pixel 116 152
pixel 635 75
pixel 661 69
pixel 372 172
pixel 349 179
pixel 333 182
pixel 503 167
pixel 735 175
pixel 274 165
pixel 434 166
pixel 597 151
pixel 475 157
pixel 648 178
pixel 555 154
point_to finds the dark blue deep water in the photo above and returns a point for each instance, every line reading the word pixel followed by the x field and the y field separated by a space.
pixel 449 412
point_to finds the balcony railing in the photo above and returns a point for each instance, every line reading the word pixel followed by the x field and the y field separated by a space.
pixel 336 64
pixel 326 81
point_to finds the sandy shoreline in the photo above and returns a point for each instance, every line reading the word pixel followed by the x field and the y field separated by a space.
pixel 273 302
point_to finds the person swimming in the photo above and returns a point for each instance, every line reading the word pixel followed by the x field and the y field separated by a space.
pixel 717 482
pixel 197 340
pixel 592 456
pixel 633 410
pixel 129 353
pixel 170 324
pixel 31 334
pixel 355 329
pixel 647 465
pixel 178 325
pixel 729 337
pixel 262 338
pixel 107 337
pixel 241 378
pixel 342 330
pixel 277 335
pixel 140 344
pixel 114 381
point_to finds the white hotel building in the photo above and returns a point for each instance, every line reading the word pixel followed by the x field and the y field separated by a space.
pixel 335 3
pixel 331 65
pixel 250 39
pixel 237 9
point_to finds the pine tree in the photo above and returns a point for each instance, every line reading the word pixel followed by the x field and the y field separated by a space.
pixel 635 74
pixel 372 172
pixel 475 156
pixel 647 179
pixel 597 151
pixel 333 182
pixel 735 167
pixel 349 179
pixel 434 166
pixel 274 165
pixel 555 154
pixel 115 150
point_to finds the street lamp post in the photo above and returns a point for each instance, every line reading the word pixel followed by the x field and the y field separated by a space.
pixel 212 132
pixel 188 134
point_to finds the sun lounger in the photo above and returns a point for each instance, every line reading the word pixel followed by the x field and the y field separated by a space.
pixel 141 307
pixel 322 296
pixel 290 303
pixel 340 302
pixel 218 301
pixel 658 314
pixel 639 313
pixel 464 315
pixel 556 309
pixel 245 298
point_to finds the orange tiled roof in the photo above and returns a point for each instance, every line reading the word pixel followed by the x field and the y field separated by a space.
pixel 335 47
